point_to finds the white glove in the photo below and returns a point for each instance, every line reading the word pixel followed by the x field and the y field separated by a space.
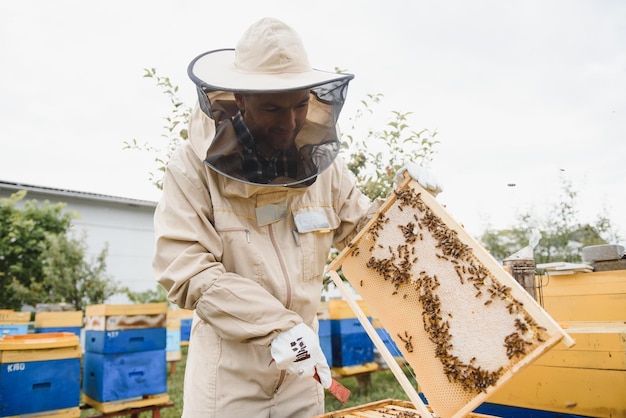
pixel 422 175
pixel 298 351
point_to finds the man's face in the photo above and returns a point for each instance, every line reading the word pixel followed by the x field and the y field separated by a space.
pixel 274 119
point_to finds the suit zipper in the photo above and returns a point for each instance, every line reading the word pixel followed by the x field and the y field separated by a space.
pixel 282 266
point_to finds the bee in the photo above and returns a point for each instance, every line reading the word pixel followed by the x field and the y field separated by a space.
pixel 407 340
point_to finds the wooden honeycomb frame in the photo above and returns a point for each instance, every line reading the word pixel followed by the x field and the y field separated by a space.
pixel 463 324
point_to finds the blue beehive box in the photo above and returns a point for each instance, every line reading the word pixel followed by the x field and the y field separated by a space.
pixel 13 329
pixel 185 330
pixel 389 342
pixel 184 318
pixel 73 330
pixel 39 373
pixel 351 346
pixel 325 336
pixel 173 340
pixel 125 341
pixel 125 353
pixel 13 322
pixel 112 377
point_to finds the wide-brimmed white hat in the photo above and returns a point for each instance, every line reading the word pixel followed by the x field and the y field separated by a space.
pixel 270 56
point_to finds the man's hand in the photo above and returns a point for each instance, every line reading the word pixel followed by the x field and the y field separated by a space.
pixel 298 351
pixel 422 175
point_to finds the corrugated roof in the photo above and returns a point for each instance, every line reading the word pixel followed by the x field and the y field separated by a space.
pixel 9 185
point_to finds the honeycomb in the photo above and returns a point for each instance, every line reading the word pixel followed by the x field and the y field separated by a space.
pixel 462 323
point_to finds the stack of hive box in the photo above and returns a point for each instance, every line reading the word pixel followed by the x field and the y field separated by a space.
pixel 324 331
pixel 186 318
pixel 40 375
pixel 59 321
pixel 13 323
pixel 172 346
pixel 124 354
pixel 351 345
pixel 588 379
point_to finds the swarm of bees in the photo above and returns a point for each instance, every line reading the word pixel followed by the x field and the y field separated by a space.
pixel 407 414
pixel 400 265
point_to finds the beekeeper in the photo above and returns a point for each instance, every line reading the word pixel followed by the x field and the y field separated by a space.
pixel 251 205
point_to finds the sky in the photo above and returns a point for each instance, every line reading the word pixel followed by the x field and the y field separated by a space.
pixel 524 95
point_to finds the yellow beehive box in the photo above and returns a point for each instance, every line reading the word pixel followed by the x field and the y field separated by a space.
pixel 588 379
pixel 339 309
pixel 175 355
pixel 122 405
pixel 59 413
pixel 126 309
pixel 8 316
pixel 59 319
pixel 39 347
pixel 173 323
pixel 599 296
pixel 125 316
pixel 180 313
pixel 323 311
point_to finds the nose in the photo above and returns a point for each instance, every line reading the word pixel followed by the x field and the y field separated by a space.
pixel 289 119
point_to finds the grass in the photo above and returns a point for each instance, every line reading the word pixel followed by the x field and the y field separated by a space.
pixel 383 386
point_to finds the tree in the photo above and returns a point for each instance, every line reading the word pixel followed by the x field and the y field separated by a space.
pixel 40 260
pixel 562 235
pixel 175 128
pixel 68 277
pixel 148 296
pixel 375 155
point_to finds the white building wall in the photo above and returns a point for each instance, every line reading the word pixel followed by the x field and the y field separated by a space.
pixel 124 224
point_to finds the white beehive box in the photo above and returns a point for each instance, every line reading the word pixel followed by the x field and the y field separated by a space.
pixel 463 324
